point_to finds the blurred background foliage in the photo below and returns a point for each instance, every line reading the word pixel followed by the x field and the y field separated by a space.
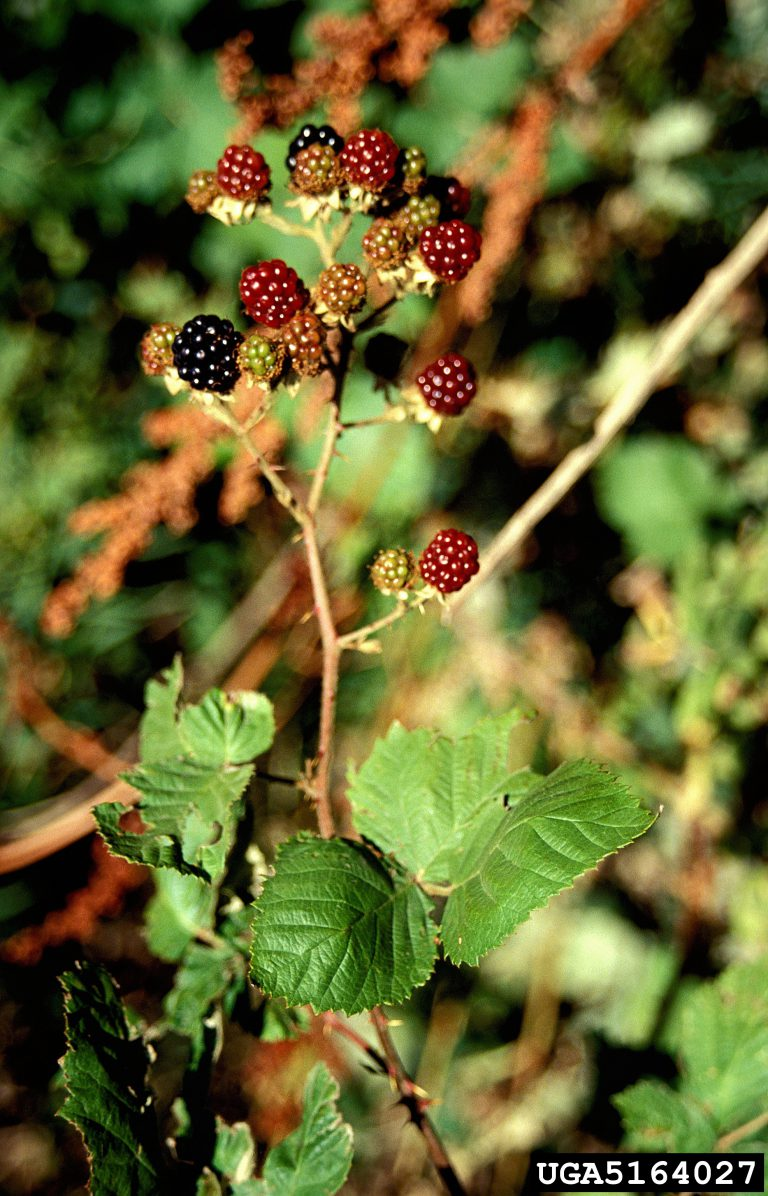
pixel 636 623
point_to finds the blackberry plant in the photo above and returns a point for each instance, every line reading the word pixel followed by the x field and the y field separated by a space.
pixel 355 916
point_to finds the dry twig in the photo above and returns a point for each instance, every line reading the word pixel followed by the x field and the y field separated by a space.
pixel 710 297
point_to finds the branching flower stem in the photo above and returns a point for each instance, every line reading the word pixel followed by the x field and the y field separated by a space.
pixel 289 229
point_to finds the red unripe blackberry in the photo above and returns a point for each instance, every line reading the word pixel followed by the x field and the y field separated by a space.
pixel 260 358
pixel 317 170
pixel 384 244
pixel 272 293
pixel 369 159
pixel 202 189
pixel 448 561
pixel 450 250
pixel 312 135
pixel 449 384
pixel 455 198
pixel 205 354
pixel 304 339
pixel 342 288
pixel 242 172
pixel 157 348
pixel 393 570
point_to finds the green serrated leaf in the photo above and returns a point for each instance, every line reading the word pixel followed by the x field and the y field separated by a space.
pixel 315 1159
pixel 108 1098
pixel 719 1033
pixel 418 792
pixel 181 906
pixel 227 730
pixel 159 737
pixel 723 1043
pixel 514 862
pixel 155 850
pixel 663 1121
pixel 335 928
pixel 190 811
pixel 234 1154
pixel 205 976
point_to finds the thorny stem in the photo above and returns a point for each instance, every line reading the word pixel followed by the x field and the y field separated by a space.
pixel 330 682
pixel 415 1103
pixel 281 491
pixel 334 1022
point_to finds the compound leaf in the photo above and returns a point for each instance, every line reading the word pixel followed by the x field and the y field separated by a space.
pixel 315 1159
pixel 205 976
pixel 105 1069
pixel 336 928
pixel 195 768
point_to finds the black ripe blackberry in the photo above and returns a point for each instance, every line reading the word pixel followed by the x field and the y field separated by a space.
pixel 312 135
pixel 205 354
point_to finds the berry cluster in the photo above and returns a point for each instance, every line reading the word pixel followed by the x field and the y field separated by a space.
pixel 417 238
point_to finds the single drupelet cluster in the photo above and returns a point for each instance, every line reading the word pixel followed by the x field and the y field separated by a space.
pixel 448 562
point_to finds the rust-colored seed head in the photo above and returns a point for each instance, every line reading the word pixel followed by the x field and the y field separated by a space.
pixel 384 245
pixel 317 170
pixel 342 288
pixel 202 189
pixel 156 350
pixel 304 339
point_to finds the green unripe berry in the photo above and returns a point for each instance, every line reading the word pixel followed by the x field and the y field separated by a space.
pixel 156 348
pixel 393 570
pixel 261 358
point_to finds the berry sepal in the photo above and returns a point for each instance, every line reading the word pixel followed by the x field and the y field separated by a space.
pixel 231 211
pixel 318 207
pixel 415 409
